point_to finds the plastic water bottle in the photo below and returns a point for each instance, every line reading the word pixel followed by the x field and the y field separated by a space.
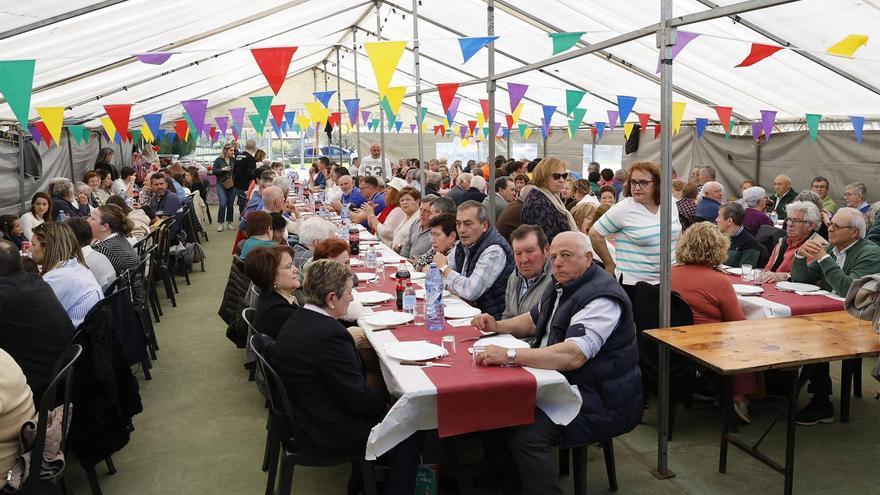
pixel 434 299
pixel 61 216
pixel 409 300
pixel 371 256
pixel 342 231
pixel 774 217
pixel 345 214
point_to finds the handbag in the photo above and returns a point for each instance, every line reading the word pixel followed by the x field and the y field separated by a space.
pixel 226 182
pixel 863 302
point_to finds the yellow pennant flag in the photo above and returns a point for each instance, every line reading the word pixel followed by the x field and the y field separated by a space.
pixel 516 113
pixel 464 142
pixel 303 122
pixel 109 127
pixel 447 123
pixel 145 132
pixel 677 114
pixel 384 56
pixel 53 117
pixel 480 120
pixel 527 133
pixel 316 111
pixel 395 97
pixel 848 46
pixel 627 129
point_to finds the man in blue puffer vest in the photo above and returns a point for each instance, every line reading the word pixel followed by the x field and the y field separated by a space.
pixel 583 327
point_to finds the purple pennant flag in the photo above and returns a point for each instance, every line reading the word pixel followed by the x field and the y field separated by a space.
pixel 768 118
pixel 756 130
pixel 612 119
pixel 462 130
pixel 365 116
pixel 153 58
pixel 549 110
pixel 701 126
pixel 496 125
pixel 681 41
pixel 516 92
pixel 453 109
pixel 237 116
pixel 196 110
pixel 412 128
pixel 600 129
pixel 35 133
pixel 222 123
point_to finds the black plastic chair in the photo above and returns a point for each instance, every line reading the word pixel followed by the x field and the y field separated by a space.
pixel 140 273
pixel 578 455
pixel 248 315
pixel 57 393
pixel 160 267
pixel 281 421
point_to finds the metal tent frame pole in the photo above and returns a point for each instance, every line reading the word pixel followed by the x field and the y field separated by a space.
pixel 424 175
pixel 70 156
pixel 339 105
pixel 357 126
pixel 20 171
pixel 490 119
pixel 381 113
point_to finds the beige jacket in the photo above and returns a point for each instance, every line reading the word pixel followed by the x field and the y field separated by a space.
pixel 16 407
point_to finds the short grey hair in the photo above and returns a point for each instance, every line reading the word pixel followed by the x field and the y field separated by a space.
pixel 479 183
pixel 82 188
pixel 433 178
pixel 811 197
pixel 464 179
pixel 708 170
pixel 753 195
pixel 859 186
pixel 856 219
pixel 811 213
pixel 712 183
pixel 430 198
pixel 482 213
pixel 443 206
pixel 282 182
pixel 314 229
pixel 323 277
pixel 64 189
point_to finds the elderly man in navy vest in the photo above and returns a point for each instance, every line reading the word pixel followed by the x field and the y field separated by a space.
pixel 479 266
pixel 583 327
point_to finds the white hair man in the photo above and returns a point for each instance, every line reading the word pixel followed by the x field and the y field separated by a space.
pixel 582 327
pixel 846 257
pixel 313 230
pixel 461 185
pixel 707 208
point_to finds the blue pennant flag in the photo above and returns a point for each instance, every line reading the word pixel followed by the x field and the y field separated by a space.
pixel 153 120
pixel 600 129
pixel 160 135
pixel 470 46
pixel 324 97
pixel 398 124
pixel 289 118
pixel 625 105
pixel 858 124
pixel 171 136
pixel 701 126
pixel 275 127
pixel 351 106
pixel 549 110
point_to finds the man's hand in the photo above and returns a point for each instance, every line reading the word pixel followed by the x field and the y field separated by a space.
pixel 485 323
pixel 770 277
pixel 493 356
pixel 811 249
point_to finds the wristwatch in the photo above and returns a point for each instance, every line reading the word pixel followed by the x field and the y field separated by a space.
pixel 511 357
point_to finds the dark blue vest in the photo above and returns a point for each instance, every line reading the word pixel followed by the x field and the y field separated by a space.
pixel 610 383
pixel 492 301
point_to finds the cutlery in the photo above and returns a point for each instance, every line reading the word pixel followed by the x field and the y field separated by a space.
pixel 469 339
pixel 424 364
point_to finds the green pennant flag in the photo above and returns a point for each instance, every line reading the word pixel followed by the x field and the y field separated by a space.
pixel 813 124
pixel 729 131
pixel 424 112
pixel 296 128
pixel 486 132
pixel 258 123
pixel 262 104
pixel 376 124
pixel 575 123
pixel 564 41
pixel 522 130
pixel 573 98
pixel 391 123
pixel 389 114
pixel 79 133
pixel 135 135
pixel 191 127
pixel 16 81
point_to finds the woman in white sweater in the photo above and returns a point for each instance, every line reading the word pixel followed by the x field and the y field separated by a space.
pixel 40 205
pixel 16 407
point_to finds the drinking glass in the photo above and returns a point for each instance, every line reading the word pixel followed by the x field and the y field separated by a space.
pixel 420 313
pixel 478 350
pixel 448 343
pixel 758 276
pixel 380 271
pixel 746 272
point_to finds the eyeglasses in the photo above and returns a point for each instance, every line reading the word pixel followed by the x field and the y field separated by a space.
pixel 850 195
pixel 640 184
pixel 795 221
pixel 557 176
pixel 833 226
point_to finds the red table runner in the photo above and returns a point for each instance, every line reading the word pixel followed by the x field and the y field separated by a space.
pixel 800 305
pixel 469 398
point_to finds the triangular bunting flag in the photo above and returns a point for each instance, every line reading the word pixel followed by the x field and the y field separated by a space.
pixel 600 129
pixel 756 130
pixel 527 133
pixel 472 124
pixel 627 129
pixel 222 124
pixel 549 110
pixel 365 116
pixel 509 119
pixel 564 41
pixel 237 115
pixel 701 126
pixel 447 93
pixel 517 112
pixel 677 115
pixel 485 132
pixel 858 124
pixel 274 63
pixel 682 39
pixel 161 134
pixel 412 128
pixel 768 119
pixel 758 52
pixel 516 92
pixel 657 129
pixel 545 128
pixel 470 46
pixel 171 136
pixel 625 105
pixel 290 118
pixel 190 126
pixel 351 106
pixel 847 47
pixel 78 132
pixel 44 133
pixel 35 133
pixel 196 110
pixel 16 80
pixel 384 56
pixel 324 97
pixel 262 104
pixel 109 128
pixel 53 117
pixel 119 114
pixel 181 128
pixel 424 113
pixel 593 132
pixel 389 113
pixel 155 58
pixel 153 121
pixel 643 121
pixel 573 98
pixel 275 127
pixel 376 124
pixel 453 110
pixel 522 130
pixel 148 135
pixel 575 123
pixel 724 114
pixel 484 105
pixel 395 97
pixel 277 112
pixel 398 124
pixel 258 123
pixel 135 135
pixel 612 118
pixel 813 124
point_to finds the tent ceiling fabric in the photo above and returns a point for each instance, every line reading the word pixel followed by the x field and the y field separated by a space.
pixel 90 55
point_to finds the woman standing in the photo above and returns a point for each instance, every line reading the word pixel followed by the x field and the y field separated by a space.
pixel 636 222
pixel 39 213
pixel 544 204
pixel 105 163
pixel 223 171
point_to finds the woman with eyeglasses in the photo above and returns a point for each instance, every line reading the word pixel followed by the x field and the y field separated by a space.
pixel 635 221
pixel 544 205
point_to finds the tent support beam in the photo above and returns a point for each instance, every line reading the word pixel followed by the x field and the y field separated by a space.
pixel 58 18
pixel 70 156
pixel 20 171
pixel 339 105
pixel 809 56
pixel 490 119
pixel 416 70
pixel 357 125
pixel 381 113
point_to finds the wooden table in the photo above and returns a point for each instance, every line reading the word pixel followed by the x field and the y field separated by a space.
pixel 758 345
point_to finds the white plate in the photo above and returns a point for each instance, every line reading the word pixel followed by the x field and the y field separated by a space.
pixel 504 341
pixel 420 293
pixel 372 297
pixel 796 286
pixel 355 262
pixel 733 270
pixel 366 276
pixel 414 351
pixel 388 318
pixel 747 290
pixel 460 311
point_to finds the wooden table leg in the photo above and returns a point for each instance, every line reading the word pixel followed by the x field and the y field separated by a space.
pixel 726 409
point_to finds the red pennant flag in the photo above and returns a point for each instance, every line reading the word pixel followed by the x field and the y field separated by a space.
pixel 484 104
pixel 334 119
pixel 436 130
pixel 656 131
pixel 509 121
pixel 447 93
pixel 277 113
pixel 130 136
pixel 213 133
pixel 759 52
pixel 594 132
pixel 724 114
pixel 181 128
pixel 44 133
pixel 119 115
pixel 442 130
pixel 274 62
pixel 643 121
pixel 472 124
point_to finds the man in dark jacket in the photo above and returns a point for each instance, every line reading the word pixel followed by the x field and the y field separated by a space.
pixel 583 327
pixel 461 184
pixel 243 172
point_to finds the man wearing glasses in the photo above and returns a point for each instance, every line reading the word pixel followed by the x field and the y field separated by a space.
pixel 846 257
pixel 854 196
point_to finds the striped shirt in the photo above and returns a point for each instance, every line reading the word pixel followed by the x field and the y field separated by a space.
pixel 638 239
pixel 75 287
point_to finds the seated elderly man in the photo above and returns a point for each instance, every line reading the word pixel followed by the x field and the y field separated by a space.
pixel 528 282
pixel 479 266
pixel 274 202
pixel 351 194
pixel 847 256
pixel 442 206
pixel 418 241
pixel 255 203
pixel 707 208
pixel 803 219
pixel 855 195
pixel 744 249
pixel 784 195
pixel 461 185
pixel 755 201
pixel 505 193
pixel 582 327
